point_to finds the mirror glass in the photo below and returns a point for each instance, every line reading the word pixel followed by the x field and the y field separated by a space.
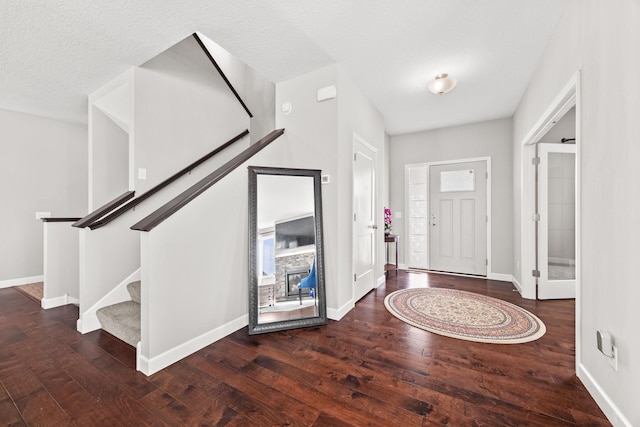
pixel 286 269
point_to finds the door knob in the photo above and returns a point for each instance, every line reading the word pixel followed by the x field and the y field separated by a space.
pixel 375 227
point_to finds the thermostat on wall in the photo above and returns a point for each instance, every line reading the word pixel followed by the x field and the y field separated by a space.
pixel 328 92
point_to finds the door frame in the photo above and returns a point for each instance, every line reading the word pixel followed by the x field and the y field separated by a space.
pixel 568 97
pixel 407 243
pixel 358 139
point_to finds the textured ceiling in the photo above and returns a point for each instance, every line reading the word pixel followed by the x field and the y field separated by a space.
pixel 53 53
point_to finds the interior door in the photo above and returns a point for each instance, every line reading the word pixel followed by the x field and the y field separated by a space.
pixel 458 218
pixel 557 225
pixel 364 201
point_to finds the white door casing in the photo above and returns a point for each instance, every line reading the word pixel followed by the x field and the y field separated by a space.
pixel 556 207
pixel 364 224
pixel 458 218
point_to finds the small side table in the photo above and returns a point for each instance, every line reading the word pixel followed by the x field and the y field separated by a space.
pixel 391 238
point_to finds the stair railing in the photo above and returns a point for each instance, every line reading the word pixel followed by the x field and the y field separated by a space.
pixel 114 209
pixel 172 206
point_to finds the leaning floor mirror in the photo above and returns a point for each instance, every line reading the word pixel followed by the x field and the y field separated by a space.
pixel 286 265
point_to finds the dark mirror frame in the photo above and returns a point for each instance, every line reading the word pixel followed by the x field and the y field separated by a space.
pixel 321 319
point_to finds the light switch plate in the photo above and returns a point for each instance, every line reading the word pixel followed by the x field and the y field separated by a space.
pixel 142 173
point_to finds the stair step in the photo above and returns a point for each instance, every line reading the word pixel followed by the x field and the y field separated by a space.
pixel 134 291
pixel 122 320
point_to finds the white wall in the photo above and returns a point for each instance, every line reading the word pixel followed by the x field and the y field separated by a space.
pixel 256 92
pixel 484 139
pixel 195 270
pixel 109 159
pixel 599 38
pixel 61 268
pixel 183 110
pixel 319 135
pixel 43 167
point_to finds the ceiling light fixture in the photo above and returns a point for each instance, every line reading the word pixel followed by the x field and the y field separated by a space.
pixel 442 84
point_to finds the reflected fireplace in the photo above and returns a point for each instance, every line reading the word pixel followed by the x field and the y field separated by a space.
pixel 294 277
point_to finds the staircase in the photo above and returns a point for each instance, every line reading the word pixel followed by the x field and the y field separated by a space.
pixel 122 320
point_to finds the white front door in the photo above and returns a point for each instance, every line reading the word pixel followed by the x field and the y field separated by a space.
pixel 458 218
pixel 364 224
pixel 557 226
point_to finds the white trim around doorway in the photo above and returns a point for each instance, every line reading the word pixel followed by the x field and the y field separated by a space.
pixel 487 159
pixel 568 97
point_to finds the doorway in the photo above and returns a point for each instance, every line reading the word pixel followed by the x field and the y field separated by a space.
pixel 364 217
pixel 448 207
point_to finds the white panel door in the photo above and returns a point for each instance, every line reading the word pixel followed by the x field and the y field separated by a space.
pixel 418 217
pixel 458 218
pixel 556 229
pixel 364 202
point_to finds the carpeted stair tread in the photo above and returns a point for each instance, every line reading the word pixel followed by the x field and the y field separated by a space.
pixel 134 291
pixel 122 320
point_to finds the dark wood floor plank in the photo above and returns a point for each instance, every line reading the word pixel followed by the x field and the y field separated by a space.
pixel 367 369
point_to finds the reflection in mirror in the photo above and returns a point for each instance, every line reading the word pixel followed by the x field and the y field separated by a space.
pixel 286 272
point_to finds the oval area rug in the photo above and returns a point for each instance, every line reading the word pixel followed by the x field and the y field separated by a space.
pixel 464 315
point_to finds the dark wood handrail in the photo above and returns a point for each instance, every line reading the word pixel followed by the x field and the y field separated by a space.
pixel 171 207
pixel 102 210
pixel 224 77
pixel 135 202
pixel 60 219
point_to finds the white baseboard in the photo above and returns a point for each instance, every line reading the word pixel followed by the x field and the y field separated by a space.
pixel 88 321
pixel 381 280
pixel 500 276
pixel 58 301
pixel 516 284
pixel 21 281
pixel 611 411
pixel 150 366
pixel 339 313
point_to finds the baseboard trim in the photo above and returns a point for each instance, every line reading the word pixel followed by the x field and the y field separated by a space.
pixel 339 313
pixel 21 281
pixel 500 276
pixel 88 321
pixel 381 280
pixel 611 411
pixel 150 366
pixel 58 301
pixel 516 284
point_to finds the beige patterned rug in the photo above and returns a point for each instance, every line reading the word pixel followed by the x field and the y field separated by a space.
pixel 464 315
pixel 34 291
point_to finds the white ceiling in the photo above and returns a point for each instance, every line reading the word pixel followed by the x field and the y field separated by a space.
pixel 53 53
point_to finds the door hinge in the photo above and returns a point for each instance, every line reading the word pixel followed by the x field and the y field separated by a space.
pixel 487 175
pixel 355 278
pixel 535 273
pixel 354 217
pixel 535 161
pixel 354 157
pixel 487 218
pixel 535 217
pixel 486 261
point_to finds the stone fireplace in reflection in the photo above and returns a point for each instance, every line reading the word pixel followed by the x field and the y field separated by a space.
pixel 291 268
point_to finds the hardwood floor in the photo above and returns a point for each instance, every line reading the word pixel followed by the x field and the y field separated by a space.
pixel 367 369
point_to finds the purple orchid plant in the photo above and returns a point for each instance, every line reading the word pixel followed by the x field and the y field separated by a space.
pixel 387 219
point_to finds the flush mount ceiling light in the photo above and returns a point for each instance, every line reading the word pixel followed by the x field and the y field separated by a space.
pixel 442 84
